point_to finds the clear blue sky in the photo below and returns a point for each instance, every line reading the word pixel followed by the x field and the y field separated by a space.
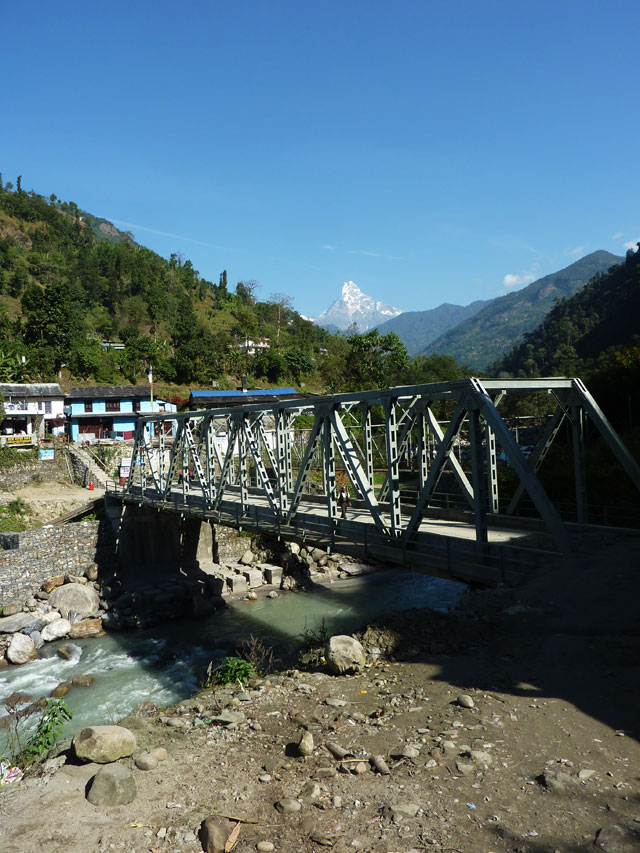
pixel 429 151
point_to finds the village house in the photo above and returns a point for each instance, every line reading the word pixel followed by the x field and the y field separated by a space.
pixel 110 411
pixel 31 411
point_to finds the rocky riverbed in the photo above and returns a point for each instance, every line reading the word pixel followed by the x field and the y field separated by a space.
pixel 510 725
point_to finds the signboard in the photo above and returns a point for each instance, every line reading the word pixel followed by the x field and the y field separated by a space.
pixel 46 453
pixel 17 440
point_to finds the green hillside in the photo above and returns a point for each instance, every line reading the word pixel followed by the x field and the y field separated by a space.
pixel 480 340
pixel 71 285
pixel 69 281
pixel 580 333
pixel 417 329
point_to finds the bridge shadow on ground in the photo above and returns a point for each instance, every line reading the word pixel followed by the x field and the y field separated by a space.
pixel 571 634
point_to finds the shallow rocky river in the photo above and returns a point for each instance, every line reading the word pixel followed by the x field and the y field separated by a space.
pixel 163 664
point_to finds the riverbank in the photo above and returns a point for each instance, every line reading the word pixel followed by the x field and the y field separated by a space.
pixel 545 759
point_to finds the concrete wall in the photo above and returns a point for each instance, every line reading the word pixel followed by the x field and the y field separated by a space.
pixel 147 539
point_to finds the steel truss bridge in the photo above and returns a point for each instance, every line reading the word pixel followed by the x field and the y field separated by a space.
pixel 277 468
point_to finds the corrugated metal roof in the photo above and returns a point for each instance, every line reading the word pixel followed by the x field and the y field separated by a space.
pixel 34 389
pixel 92 392
pixel 252 392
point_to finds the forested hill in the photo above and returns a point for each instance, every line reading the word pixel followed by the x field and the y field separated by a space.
pixel 417 329
pixel 70 281
pixel 582 332
pixel 483 338
pixel 71 285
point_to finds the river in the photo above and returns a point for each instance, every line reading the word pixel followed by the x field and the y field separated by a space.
pixel 164 664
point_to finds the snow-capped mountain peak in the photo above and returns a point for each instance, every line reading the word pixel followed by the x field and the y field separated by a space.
pixel 354 306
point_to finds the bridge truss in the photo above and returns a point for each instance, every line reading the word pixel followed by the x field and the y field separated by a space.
pixel 285 461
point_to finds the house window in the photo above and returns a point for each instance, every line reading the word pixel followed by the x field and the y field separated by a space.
pixel 136 405
pixel 47 407
pixel 88 405
pixel 112 406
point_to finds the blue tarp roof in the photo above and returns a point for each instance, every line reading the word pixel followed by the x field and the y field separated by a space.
pixel 252 392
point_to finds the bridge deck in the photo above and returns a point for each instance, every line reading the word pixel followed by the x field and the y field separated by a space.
pixel 440 547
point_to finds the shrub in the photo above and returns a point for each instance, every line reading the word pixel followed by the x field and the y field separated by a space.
pixel 231 670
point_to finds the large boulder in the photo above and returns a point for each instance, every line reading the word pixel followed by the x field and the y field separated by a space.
pixel 16 622
pixel 55 630
pixel 113 785
pixel 74 596
pixel 104 744
pixel 21 649
pixel 344 655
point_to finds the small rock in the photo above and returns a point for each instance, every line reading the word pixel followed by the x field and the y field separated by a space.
pixel 11 608
pixel 159 753
pixel 410 751
pixel 305 745
pixel 36 636
pixel 311 791
pixel 321 839
pixel 230 718
pixel 397 811
pixel 265 847
pixel 252 596
pixel 83 680
pixel 465 701
pixel 113 785
pixel 335 703
pixel 464 769
pixel 146 761
pixel 51 584
pixel 61 690
pixel 214 832
pixel 585 774
pixel 273 594
pixel 288 805
pixel 265 777
pixel 65 652
pixel 555 781
pixel 481 758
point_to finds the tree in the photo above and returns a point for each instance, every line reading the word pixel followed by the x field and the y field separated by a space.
pixel 375 361
pixel 282 305
pixel 245 291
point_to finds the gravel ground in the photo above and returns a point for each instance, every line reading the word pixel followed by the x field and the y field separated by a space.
pixel 511 725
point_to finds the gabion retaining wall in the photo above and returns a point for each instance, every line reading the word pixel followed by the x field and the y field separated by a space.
pixel 35 555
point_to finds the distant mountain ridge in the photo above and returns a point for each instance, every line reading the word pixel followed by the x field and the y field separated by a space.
pixel 481 339
pixel 417 329
pixel 354 306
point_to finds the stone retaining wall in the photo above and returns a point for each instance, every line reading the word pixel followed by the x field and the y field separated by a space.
pixel 45 471
pixel 36 555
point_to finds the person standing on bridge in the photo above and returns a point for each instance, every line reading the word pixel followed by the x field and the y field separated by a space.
pixel 343 501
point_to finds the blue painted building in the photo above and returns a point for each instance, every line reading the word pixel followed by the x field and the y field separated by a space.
pixel 110 411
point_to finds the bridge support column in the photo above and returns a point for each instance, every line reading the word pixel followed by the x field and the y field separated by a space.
pixel 478 478
pixel 578 434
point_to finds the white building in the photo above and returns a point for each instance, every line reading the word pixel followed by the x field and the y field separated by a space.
pixel 30 410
